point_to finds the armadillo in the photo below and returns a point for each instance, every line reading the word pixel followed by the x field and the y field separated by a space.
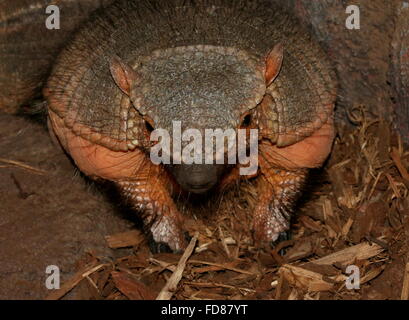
pixel 138 66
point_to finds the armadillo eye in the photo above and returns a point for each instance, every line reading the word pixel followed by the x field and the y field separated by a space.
pixel 246 120
pixel 148 126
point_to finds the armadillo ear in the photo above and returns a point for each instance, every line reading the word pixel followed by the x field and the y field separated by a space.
pixel 124 76
pixel 274 62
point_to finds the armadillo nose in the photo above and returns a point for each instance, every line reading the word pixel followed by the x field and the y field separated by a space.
pixel 198 188
pixel 196 183
pixel 196 178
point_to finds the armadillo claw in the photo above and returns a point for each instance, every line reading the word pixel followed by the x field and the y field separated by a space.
pixel 161 247
pixel 269 223
pixel 165 231
pixel 156 247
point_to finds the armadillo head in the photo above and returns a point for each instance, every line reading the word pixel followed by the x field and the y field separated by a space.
pixel 199 88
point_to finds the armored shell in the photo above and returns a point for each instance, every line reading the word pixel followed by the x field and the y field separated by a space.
pixel 149 35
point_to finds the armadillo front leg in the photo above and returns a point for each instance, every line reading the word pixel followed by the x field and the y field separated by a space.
pixel 148 193
pixel 278 189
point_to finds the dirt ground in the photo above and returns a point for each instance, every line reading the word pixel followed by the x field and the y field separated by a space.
pixel 47 217
pixel 354 212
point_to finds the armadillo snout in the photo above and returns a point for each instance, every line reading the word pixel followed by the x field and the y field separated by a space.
pixel 196 178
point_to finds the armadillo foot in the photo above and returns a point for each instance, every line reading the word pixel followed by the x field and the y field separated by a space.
pixel 269 222
pixel 159 213
pixel 160 247
pixel 278 190
pixel 165 231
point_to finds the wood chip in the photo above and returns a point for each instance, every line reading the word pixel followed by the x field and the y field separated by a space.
pixel 305 279
pixel 220 266
pixel 310 223
pixel 393 185
pixel 125 239
pixel 346 227
pixel 405 287
pixel 300 250
pixel 70 284
pixel 293 295
pixel 346 256
pixel 215 284
pixel 372 274
pixel 170 287
pixel 163 264
pixel 398 162
pixel 130 287
pixel 222 237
